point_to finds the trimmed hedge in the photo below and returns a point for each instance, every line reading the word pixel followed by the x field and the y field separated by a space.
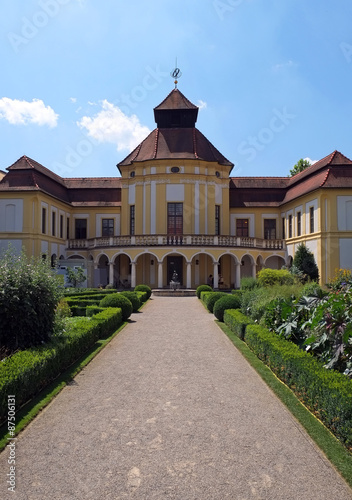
pixel 133 297
pixel 93 310
pixel 81 302
pixel 143 288
pixel 212 298
pixel 203 288
pixel 118 300
pixel 204 295
pixel 237 322
pixel 80 310
pixel 326 393
pixel 227 302
pixel 88 292
pixel 143 296
pixel 27 372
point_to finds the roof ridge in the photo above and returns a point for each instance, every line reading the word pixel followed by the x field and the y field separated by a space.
pixel 156 143
pixel 326 177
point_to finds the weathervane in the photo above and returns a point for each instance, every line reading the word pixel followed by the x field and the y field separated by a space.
pixel 176 73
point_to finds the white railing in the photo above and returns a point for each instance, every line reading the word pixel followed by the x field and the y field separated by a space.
pixel 175 240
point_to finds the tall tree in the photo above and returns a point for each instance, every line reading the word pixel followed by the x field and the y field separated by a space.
pixel 304 262
pixel 299 167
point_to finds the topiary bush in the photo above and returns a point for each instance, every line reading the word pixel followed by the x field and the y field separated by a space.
pixel 203 288
pixel 118 300
pixel 227 302
pixel 143 288
pixel 133 297
pixel 212 298
pixel 30 292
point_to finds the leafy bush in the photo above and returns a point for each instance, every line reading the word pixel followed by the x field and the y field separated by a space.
pixel 226 302
pixel 313 289
pixel 256 301
pixel 26 372
pixel 29 293
pixel 212 298
pixel 330 324
pixel 118 300
pixel 249 283
pixel 75 276
pixel 304 262
pixel 239 293
pixel 143 288
pixel 63 309
pixel 133 297
pixel 270 277
pixel 326 393
pixel 203 288
pixel 237 322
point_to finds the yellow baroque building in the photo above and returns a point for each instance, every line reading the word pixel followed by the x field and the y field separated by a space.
pixel 175 208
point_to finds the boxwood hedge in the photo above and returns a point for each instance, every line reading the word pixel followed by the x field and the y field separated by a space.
pixel 27 372
pixel 226 302
pixel 237 322
pixel 327 394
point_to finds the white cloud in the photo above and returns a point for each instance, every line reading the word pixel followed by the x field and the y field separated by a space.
pixel 73 99
pixel 311 161
pixel 202 104
pixel 112 125
pixel 19 112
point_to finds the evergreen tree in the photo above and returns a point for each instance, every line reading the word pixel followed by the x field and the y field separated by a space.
pixel 304 263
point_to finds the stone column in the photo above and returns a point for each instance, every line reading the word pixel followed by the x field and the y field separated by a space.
pixel 216 276
pixel 254 270
pixel 160 275
pixel 111 273
pixel 189 275
pixel 238 275
pixel 133 274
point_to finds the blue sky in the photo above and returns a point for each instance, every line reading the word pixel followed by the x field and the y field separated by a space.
pixel 81 78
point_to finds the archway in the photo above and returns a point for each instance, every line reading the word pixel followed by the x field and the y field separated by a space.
pixel 247 266
pixel 101 278
pixel 275 262
pixel 260 263
pixel 147 270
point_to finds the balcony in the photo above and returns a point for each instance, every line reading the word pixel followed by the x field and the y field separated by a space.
pixel 174 241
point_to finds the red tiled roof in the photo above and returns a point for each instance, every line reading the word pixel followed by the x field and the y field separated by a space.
pixel 175 143
pixel 306 186
pixel 175 100
pixel 27 174
pixel 335 158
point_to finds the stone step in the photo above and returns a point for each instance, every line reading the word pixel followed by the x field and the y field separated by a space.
pixel 181 292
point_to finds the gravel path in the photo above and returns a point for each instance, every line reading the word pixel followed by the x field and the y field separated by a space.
pixel 169 410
